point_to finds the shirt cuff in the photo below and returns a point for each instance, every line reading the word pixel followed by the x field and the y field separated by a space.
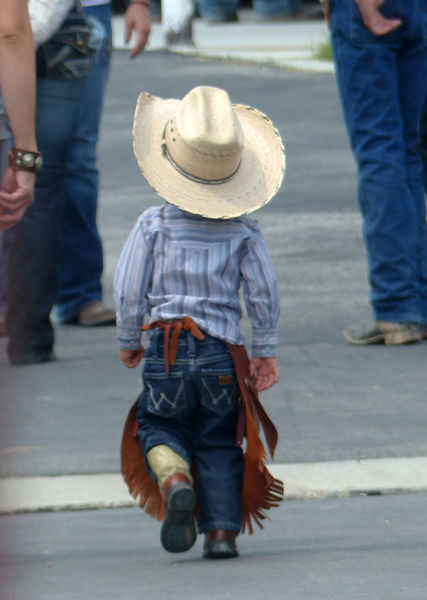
pixel 128 339
pixel 264 342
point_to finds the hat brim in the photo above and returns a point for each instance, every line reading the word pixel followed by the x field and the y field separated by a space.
pixel 256 181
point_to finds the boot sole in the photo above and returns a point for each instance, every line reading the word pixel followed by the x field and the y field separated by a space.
pixel 220 550
pixel 393 338
pixel 178 532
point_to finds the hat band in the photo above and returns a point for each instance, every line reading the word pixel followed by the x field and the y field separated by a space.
pixel 181 171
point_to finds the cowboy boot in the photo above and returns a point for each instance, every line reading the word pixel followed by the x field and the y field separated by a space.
pixel 220 543
pixel 178 531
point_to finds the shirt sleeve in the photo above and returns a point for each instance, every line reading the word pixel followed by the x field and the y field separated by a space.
pixel 131 285
pixel 261 295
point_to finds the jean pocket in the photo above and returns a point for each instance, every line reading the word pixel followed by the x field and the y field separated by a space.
pixel 164 395
pixel 100 38
pixel 219 390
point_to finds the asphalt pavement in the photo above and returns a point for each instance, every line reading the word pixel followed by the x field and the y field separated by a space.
pixel 336 406
pixel 354 549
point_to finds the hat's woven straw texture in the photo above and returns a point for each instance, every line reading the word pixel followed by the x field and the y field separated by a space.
pixel 256 180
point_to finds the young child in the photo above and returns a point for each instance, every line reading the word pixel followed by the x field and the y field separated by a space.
pixel 182 266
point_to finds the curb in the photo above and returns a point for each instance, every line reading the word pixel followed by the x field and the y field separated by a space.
pixel 283 45
pixel 302 481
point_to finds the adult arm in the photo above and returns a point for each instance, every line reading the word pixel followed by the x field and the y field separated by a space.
pixel 137 20
pixel 17 71
pixel 17 80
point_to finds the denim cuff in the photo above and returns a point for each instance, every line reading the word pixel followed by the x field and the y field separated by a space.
pixel 128 339
pixel 264 342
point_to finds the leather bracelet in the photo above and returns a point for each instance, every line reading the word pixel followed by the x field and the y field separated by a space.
pixel 25 160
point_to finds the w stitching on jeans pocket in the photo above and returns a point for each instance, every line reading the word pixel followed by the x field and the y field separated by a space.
pixel 165 396
pixel 219 390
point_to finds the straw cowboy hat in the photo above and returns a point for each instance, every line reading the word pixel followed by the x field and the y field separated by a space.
pixel 207 156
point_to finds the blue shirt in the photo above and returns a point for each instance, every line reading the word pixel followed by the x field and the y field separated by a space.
pixel 175 264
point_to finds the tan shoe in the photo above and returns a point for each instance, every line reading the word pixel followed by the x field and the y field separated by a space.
pixel 95 314
pixel 383 332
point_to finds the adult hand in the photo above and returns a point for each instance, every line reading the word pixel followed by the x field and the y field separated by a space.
pixel 16 195
pixel 266 372
pixel 374 20
pixel 137 19
pixel 132 358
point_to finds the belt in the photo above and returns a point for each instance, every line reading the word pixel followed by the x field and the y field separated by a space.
pixel 171 342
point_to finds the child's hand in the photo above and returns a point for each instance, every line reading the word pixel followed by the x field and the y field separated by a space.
pixel 132 358
pixel 265 370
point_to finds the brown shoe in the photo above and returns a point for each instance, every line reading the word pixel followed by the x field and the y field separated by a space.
pixel 220 543
pixel 95 314
pixel 383 332
pixel 178 531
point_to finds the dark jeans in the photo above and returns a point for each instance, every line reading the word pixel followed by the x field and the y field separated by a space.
pixel 81 263
pixel 382 82
pixel 34 259
pixel 423 141
pixel 194 411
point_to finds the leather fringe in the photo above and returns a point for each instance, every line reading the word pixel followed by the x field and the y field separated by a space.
pixel 134 471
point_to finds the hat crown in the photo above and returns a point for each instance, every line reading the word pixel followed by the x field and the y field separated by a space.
pixel 205 139
pixel 206 121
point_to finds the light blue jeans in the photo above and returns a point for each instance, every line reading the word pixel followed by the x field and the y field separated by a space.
pixel 194 411
pixel 81 262
pixel 382 82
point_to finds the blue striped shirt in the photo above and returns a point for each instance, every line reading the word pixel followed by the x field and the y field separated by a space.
pixel 176 264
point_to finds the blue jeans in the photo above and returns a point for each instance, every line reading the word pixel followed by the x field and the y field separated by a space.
pixel 382 81
pixel 81 263
pixel 211 9
pixel 194 411
pixel 34 258
pixel 423 141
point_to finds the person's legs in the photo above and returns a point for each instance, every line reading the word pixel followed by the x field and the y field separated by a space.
pixel 165 414
pixel 193 411
pixel 268 9
pixel 5 236
pixel 412 92
pixel 423 141
pixel 218 10
pixel 369 81
pixel 81 262
pixel 34 258
pixel 219 461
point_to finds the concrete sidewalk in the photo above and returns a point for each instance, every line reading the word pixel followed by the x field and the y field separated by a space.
pixel 290 45
pixel 372 477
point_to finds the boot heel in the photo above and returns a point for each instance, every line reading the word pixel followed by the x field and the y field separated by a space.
pixel 397 338
pixel 178 532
